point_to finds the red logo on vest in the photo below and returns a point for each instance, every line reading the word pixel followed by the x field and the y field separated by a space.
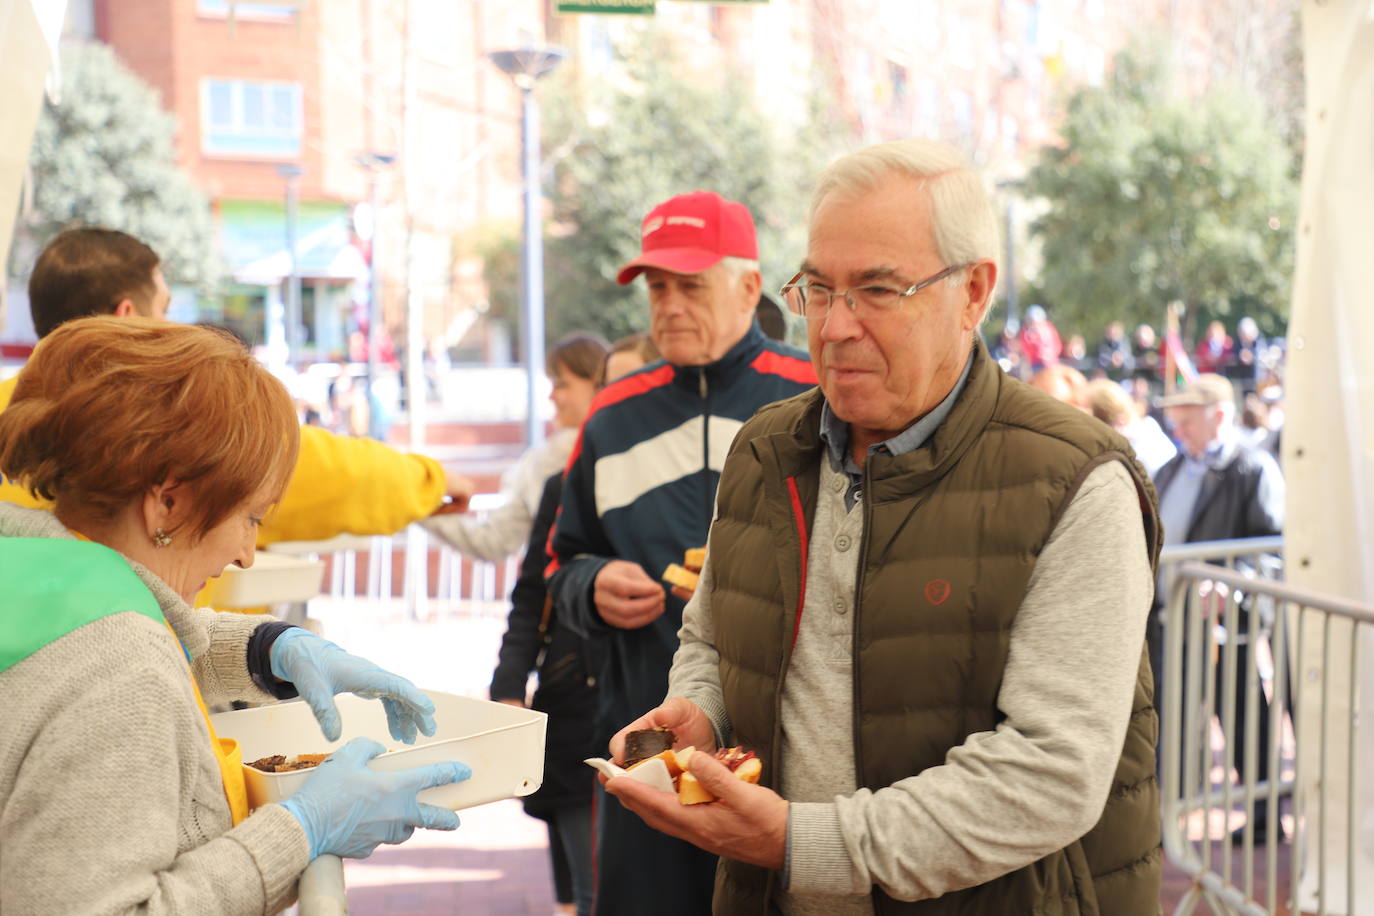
pixel 937 590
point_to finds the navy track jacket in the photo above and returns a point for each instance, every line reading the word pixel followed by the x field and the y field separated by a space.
pixel 641 486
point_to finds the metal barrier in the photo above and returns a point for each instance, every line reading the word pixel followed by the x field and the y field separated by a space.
pixel 437 579
pixel 1228 640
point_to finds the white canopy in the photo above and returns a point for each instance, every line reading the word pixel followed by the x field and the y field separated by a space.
pixel 1328 447
pixel 29 31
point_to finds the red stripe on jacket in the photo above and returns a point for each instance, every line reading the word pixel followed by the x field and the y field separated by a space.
pixel 789 367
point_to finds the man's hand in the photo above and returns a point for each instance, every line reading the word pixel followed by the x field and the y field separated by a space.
pixel 458 493
pixel 684 717
pixel 746 823
pixel 626 597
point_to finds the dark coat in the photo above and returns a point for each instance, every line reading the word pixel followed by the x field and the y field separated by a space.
pixel 1241 496
pixel 567 690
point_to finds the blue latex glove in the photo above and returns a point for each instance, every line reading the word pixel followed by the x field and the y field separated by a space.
pixel 349 810
pixel 319 669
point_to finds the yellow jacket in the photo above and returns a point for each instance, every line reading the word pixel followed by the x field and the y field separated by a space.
pixel 340 486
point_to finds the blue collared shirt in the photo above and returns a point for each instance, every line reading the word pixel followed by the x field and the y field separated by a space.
pixel 835 435
pixel 1177 501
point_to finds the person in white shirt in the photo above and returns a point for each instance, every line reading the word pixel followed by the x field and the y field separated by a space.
pixel 574 366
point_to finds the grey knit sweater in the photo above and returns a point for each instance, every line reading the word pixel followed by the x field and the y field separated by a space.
pixel 110 796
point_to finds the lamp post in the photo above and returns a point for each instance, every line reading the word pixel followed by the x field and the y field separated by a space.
pixel 525 66
pixel 292 173
pixel 374 163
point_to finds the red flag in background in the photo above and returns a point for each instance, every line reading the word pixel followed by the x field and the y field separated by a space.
pixel 1178 366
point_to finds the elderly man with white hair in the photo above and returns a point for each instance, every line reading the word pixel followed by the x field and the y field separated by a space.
pixel 924 602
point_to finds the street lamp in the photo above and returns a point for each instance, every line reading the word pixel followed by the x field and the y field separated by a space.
pixel 374 163
pixel 292 173
pixel 525 66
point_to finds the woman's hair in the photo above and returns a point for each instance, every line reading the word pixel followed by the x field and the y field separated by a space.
pixel 108 408
pixel 1110 403
pixel 641 343
pixel 584 355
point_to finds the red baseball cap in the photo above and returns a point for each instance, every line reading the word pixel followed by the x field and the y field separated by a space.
pixel 688 233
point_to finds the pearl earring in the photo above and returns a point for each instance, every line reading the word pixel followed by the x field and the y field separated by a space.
pixel 161 538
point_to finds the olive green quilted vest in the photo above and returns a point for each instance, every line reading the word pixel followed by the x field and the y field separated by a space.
pixel 951 535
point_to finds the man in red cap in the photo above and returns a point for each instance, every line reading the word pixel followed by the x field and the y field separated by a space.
pixel 640 490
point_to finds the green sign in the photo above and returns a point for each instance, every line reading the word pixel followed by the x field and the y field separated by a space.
pixel 636 7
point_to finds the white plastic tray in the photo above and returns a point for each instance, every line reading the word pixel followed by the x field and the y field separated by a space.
pixel 271 579
pixel 503 744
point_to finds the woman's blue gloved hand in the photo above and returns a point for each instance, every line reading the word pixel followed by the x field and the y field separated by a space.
pixel 319 670
pixel 348 809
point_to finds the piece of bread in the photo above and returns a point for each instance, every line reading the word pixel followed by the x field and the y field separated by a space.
pixel 681 577
pixel 695 559
pixel 743 764
pixel 690 791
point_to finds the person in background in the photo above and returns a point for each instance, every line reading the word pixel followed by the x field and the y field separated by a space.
pixel 1040 344
pixel 1217 488
pixel 1111 404
pixel 639 492
pixel 1006 349
pixel 340 485
pixel 923 603
pixel 537 641
pixel 1114 355
pixel 574 366
pixel 1076 354
pixel 1063 383
pixel 631 352
pixel 1249 358
pixel 1215 351
pixel 1145 349
pixel 161 448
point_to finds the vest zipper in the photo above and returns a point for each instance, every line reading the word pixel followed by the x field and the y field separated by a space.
pixel 858 612
pixel 709 491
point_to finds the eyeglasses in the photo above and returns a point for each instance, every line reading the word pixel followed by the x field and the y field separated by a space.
pixel 814 300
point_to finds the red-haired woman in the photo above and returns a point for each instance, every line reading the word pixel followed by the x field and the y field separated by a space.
pixel 162 447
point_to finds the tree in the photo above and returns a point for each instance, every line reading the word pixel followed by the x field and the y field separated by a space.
pixel 629 143
pixel 1154 197
pixel 105 157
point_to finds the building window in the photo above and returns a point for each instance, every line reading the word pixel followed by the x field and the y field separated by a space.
pixel 254 119
pixel 282 11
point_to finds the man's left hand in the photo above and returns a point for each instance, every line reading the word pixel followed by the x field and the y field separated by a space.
pixel 747 823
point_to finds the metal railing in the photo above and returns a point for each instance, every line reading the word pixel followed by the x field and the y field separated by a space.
pixel 436 579
pixel 1235 643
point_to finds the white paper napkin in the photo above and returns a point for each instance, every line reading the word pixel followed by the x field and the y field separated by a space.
pixel 653 772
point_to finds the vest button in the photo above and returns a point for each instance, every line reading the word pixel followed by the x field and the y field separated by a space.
pixel 838 484
pixel 843 542
pixel 591 682
pixel 841 607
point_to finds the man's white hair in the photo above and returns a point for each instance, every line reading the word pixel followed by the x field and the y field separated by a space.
pixel 738 267
pixel 962 216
